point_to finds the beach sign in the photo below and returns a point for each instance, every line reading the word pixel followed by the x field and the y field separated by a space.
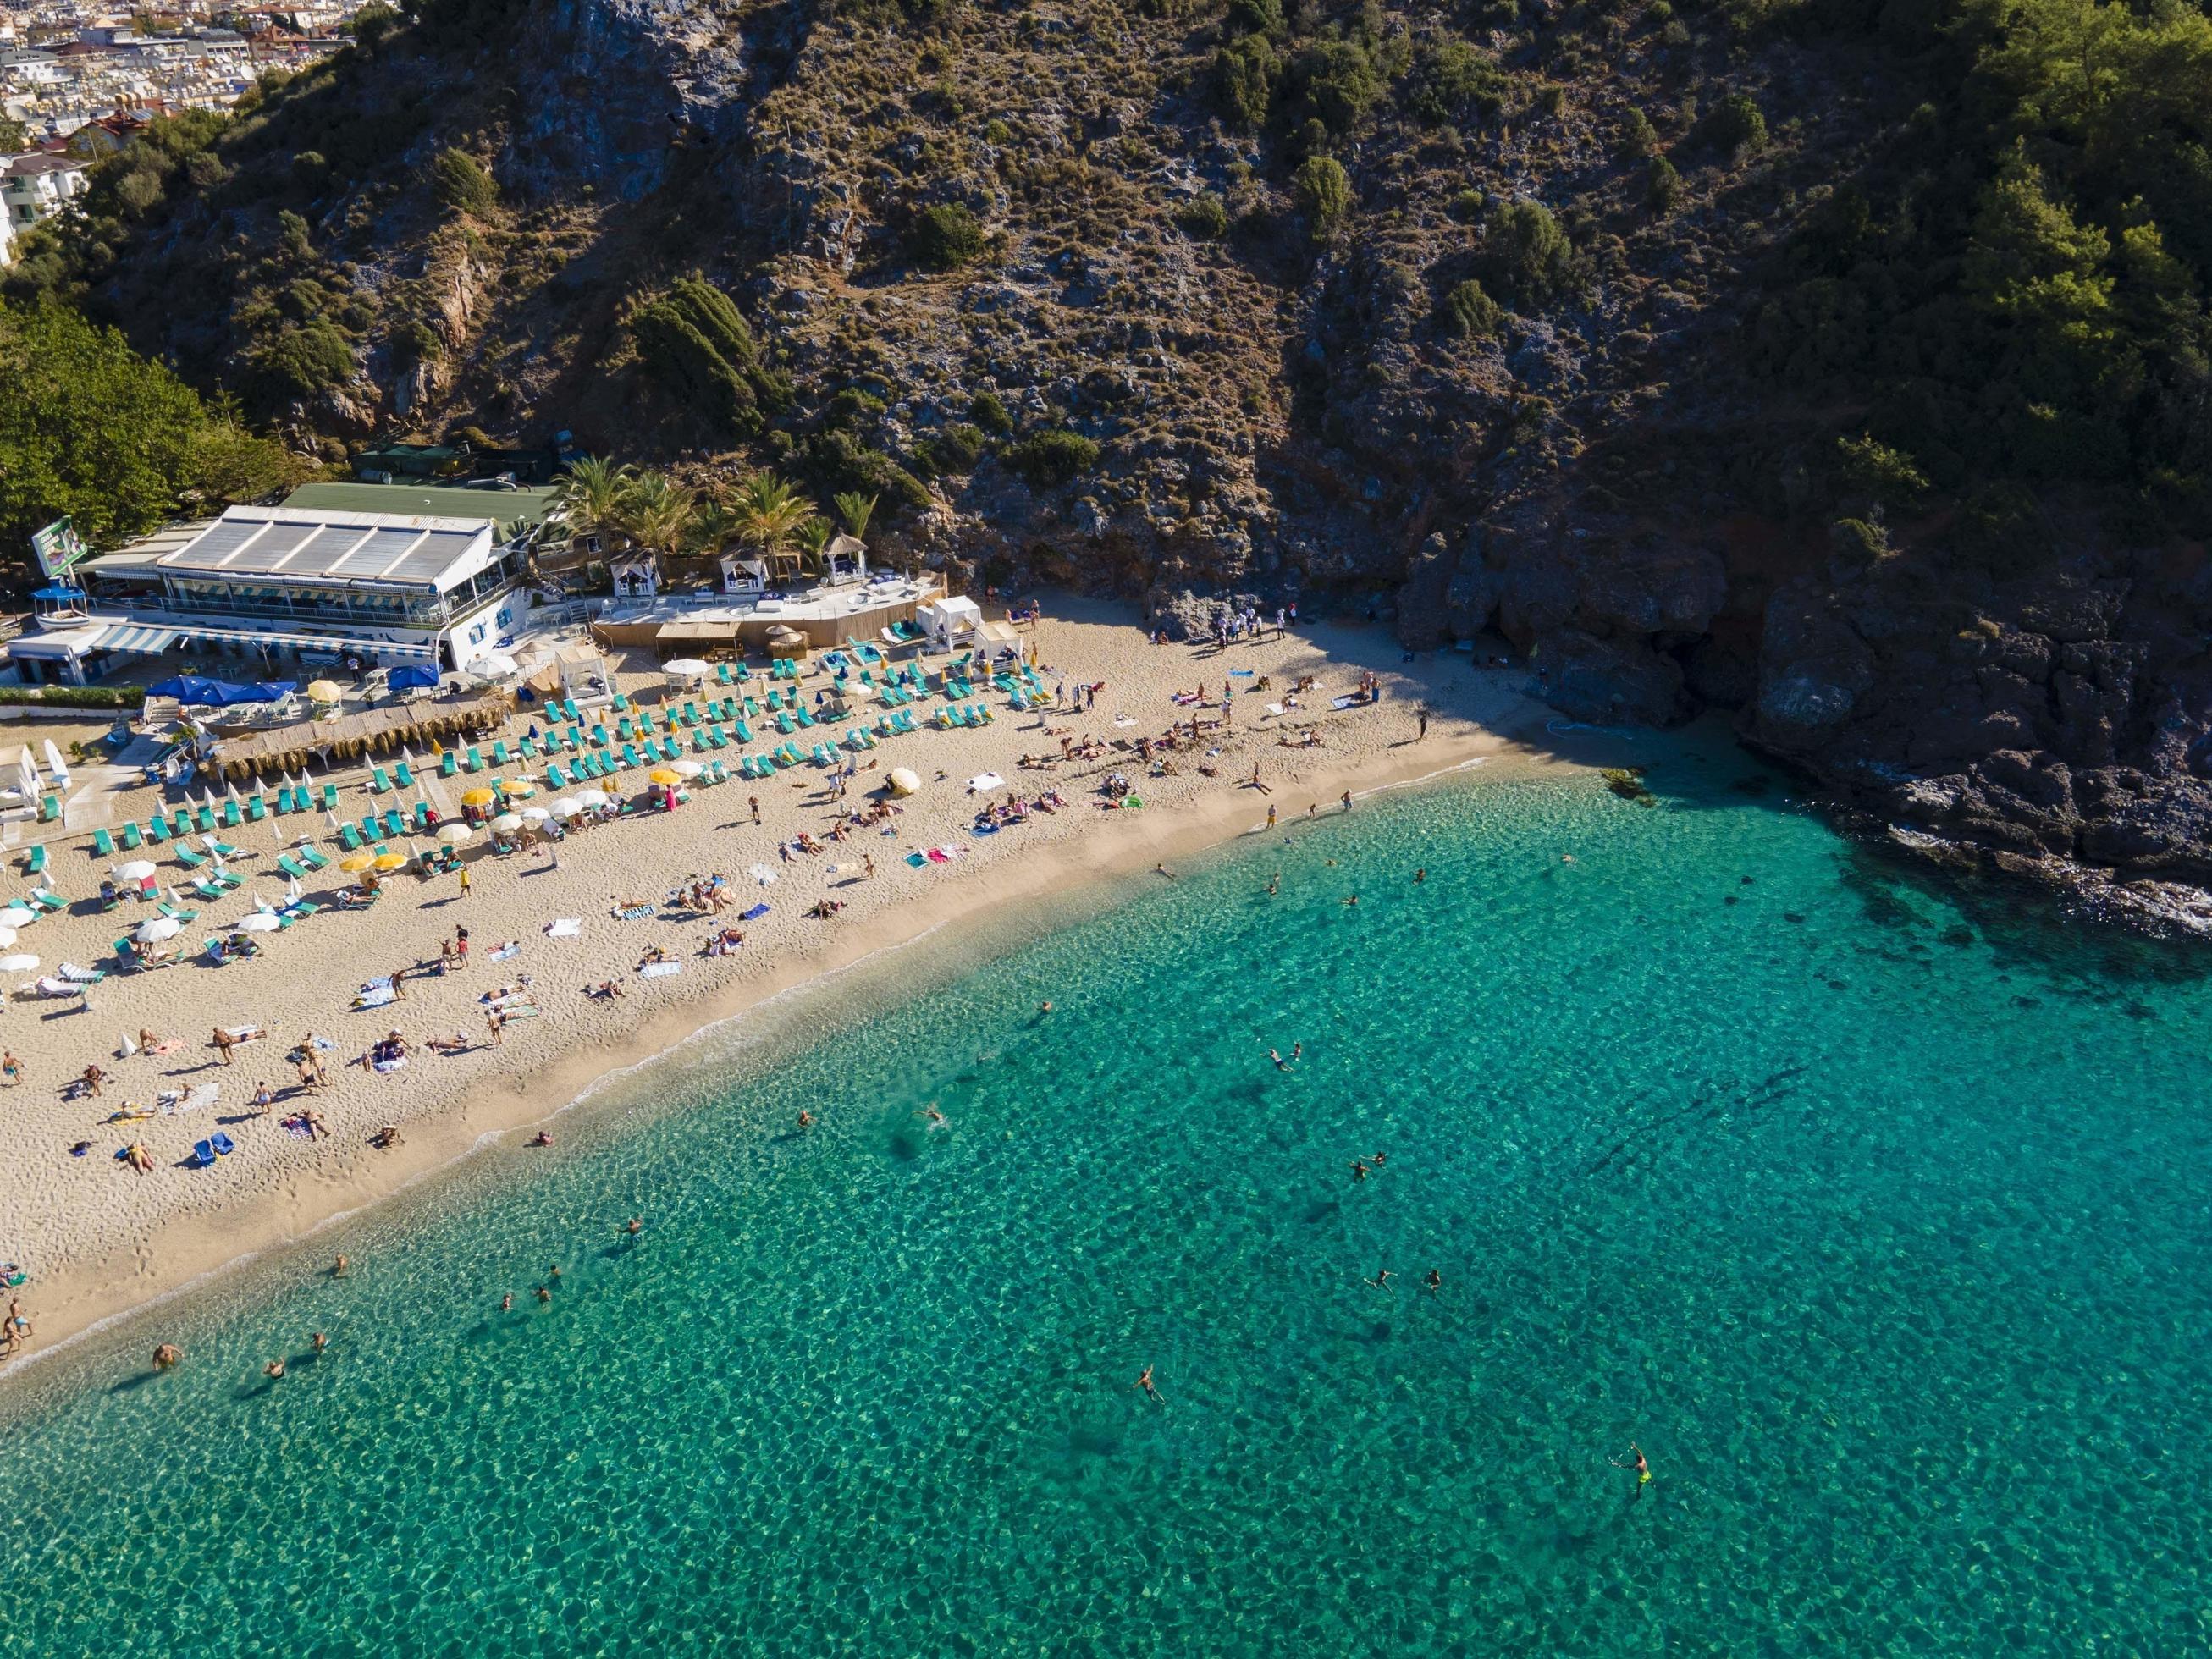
pixel 58 548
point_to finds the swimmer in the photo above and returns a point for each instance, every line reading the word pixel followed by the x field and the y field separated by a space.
pixel 1351 900
pixel 1144 1381
pixel 541 1139
pixel 1434 1283
pixel 338 1268
pixel 1643 1469
pixel 553 1272
pixel 274 1370
pixel 1420 875
pixel 1045 1007
pixel 636 1226
pixel 936 1119
pixel 1378 1160
pixel 1297 1051
pixel 167 1355
pixel 1161 869
pixel 806 1118
pixel 544 1295
pixel 1381 1280
pixel 1281 1065
pixel 1566 858
pixel 1274 884
pixel 1359 1169
pixel 506 1302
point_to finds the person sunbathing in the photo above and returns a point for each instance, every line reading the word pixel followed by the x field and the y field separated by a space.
pixel 455 1044
pixel 653 953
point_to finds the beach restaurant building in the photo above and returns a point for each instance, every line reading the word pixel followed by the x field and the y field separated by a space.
pixel 276 585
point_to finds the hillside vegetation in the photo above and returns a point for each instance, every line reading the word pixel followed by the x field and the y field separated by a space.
pixel 1843 363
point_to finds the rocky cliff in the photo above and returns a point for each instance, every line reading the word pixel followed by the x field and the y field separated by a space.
pixel 1531 320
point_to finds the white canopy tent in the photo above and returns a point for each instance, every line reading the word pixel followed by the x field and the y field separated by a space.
pixel 948 619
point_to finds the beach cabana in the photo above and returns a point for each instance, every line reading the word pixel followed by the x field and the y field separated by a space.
pixel 949 619
pixel 744 578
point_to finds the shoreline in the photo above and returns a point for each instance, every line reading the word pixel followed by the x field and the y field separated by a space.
pixel 185 1252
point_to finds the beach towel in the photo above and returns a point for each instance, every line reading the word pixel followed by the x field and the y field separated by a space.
pixel 172 1104
pixel 397 1062
pixel 512 948
pixel 1241 673
pixel 564 927
pixel 1274 709
pixel 755 913
pixel 375 993
pixel 659 969
pixel 1343 702
pixel 1123 720
pixel 299 1126
pixel 635 913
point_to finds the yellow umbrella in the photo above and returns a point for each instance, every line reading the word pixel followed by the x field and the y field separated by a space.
pixel 324 691
pixel 662 775
pixel 392 860
pixel 478 798
pixel 359 862
pixel 518 791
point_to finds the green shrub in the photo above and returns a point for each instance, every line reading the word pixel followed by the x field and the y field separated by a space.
pixel 1048 459
pixel 837 463
pixel 1466 206
pixel 1736 126
pixel 1662 184
pixel 1332 82
pixel 694 341
pixel 945 237
pixel 1244 76
pixel 1323 190
pixel 1205 218
pixel 301 362
pixel 989 412
pixel 1469 313
pixel 460 181
pixel 1526 256
pixel 1253 17
pixel 74 697
pixel 1638 135
pixel 417 341
pixel 1450 78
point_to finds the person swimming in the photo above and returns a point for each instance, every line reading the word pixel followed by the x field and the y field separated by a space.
pixel 1636 1463
pixel 1359 1169
pixel 1144 1382
pixel 1281 1065
pixel 1381 1280
pixel 1434 1283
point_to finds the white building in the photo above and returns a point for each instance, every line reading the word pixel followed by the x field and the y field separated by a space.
pixel 283 585
pixel 37 186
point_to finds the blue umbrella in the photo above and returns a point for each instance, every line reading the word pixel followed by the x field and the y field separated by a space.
pixel 415 674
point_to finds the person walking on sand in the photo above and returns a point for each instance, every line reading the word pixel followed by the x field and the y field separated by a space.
pixel 10 1067
pixel 1422 715
pixel 1347 798
pixel 753 801
pixel 465 881
pixel 223 1042
pixel 263 1099
pixel 94 1077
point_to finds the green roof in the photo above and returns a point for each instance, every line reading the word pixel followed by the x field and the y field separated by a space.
pixel 505 508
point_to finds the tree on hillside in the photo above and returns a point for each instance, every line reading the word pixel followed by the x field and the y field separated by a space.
pixel 589 494
pixel 89 429
pixel 768 511
pixel 855 509
pixel 660 516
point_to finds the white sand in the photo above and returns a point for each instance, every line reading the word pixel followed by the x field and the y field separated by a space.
pixel 99 1237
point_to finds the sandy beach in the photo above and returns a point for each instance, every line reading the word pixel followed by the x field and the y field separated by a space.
pixel 97 1237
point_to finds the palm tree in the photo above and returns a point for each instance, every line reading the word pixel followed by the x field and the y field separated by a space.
pixel 813 539
pixel 767 510
pixel 714 526
pixel 589 494
pixel 855 509
pixel 658 515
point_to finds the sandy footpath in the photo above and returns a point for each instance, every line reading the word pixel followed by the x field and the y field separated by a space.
pixel 98 1237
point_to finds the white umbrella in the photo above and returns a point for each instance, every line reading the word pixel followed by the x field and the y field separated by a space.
pixel 686 768
pixel 903 781
pixel 6 938
pixel 565 806
pixel 454 832
pixel 762 874
pixel 687 668
pixel 259 922
pixel 536 814
pixel 155 929
pixel 496 667
pixel 18 915
pixel 136 870
pixel 507 823
pixel 17 964
pixel 592 797
pixel 292 894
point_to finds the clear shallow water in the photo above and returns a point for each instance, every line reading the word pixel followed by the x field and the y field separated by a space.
pixel 1878 1217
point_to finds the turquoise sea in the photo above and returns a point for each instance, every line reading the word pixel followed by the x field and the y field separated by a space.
pixel 1874 1212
